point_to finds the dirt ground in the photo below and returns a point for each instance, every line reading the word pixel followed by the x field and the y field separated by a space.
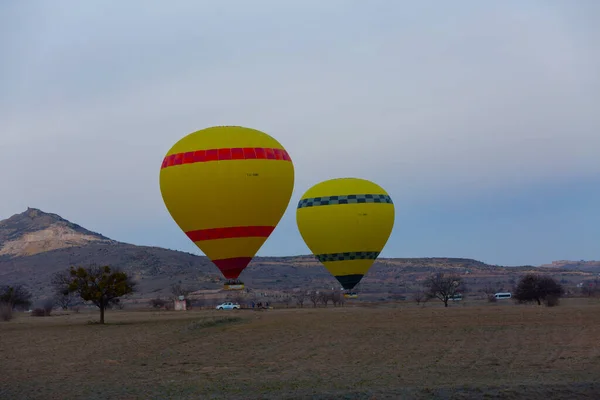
pixel 476 351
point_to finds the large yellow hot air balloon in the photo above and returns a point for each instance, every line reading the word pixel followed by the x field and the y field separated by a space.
pixel 227 187
pixel 346 223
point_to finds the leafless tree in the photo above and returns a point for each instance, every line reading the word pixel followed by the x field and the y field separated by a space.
pixel 238 298
pixel 443 287
pixel 15 296
pixel 300 297
pixel 178 290
pixel 287 299
pixel 489 292
pixel 336 297
pixel 314 297
pixel 65 300
pixel 324 298
pixel 419 297
pixel 63 297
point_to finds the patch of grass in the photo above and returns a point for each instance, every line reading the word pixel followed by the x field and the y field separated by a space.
pixel 212 322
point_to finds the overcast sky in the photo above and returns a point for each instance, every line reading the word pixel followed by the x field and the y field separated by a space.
pixel 480 118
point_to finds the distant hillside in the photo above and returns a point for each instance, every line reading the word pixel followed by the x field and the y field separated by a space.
pixel 588 266
pixel 35 244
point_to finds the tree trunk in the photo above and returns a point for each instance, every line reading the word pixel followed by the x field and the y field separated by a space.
pixel 102 313
pixel 539 302
pixel 445 303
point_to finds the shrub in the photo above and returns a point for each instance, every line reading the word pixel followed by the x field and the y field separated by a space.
pixel 157 303
pixel 491 298
pixel 552 301
pixel 38 312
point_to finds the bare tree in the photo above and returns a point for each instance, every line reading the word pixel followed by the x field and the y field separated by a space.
pixel 238 298
pixel 65 300
pixel 443 287
pixel 324 298
pixel 287 299
pixel 63 297
pixel 300 297
pixel 336 298
pixel 489 290
pixel 314 297
pixel 419 297
pixel 15 296
pixel 178 290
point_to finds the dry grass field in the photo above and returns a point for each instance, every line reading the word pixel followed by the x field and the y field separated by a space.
pixel 476 351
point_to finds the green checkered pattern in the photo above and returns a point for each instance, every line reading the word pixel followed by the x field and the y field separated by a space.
pixel 348 199
pixel 355 255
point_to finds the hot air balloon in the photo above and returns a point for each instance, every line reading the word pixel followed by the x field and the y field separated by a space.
pixel 346 223
pixel 227 187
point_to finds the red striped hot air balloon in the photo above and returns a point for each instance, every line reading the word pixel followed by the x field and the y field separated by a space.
pixel 227 187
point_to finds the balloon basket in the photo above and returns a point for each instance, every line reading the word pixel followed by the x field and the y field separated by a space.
pixel 233 286
pixel 350 295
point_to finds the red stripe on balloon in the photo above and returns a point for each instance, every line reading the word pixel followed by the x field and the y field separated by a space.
pixel 236 153
pixel 232 267
pixel 229 233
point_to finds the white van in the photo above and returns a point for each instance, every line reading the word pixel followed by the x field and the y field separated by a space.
pixel 501 296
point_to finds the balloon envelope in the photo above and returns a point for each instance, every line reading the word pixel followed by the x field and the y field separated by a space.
pixel 227 187
pixel 346 222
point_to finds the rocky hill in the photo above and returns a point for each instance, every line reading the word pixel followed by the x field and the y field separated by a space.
pixel 33 232
pixel 36 244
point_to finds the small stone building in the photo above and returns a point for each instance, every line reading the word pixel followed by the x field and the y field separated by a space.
pixel 180 304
